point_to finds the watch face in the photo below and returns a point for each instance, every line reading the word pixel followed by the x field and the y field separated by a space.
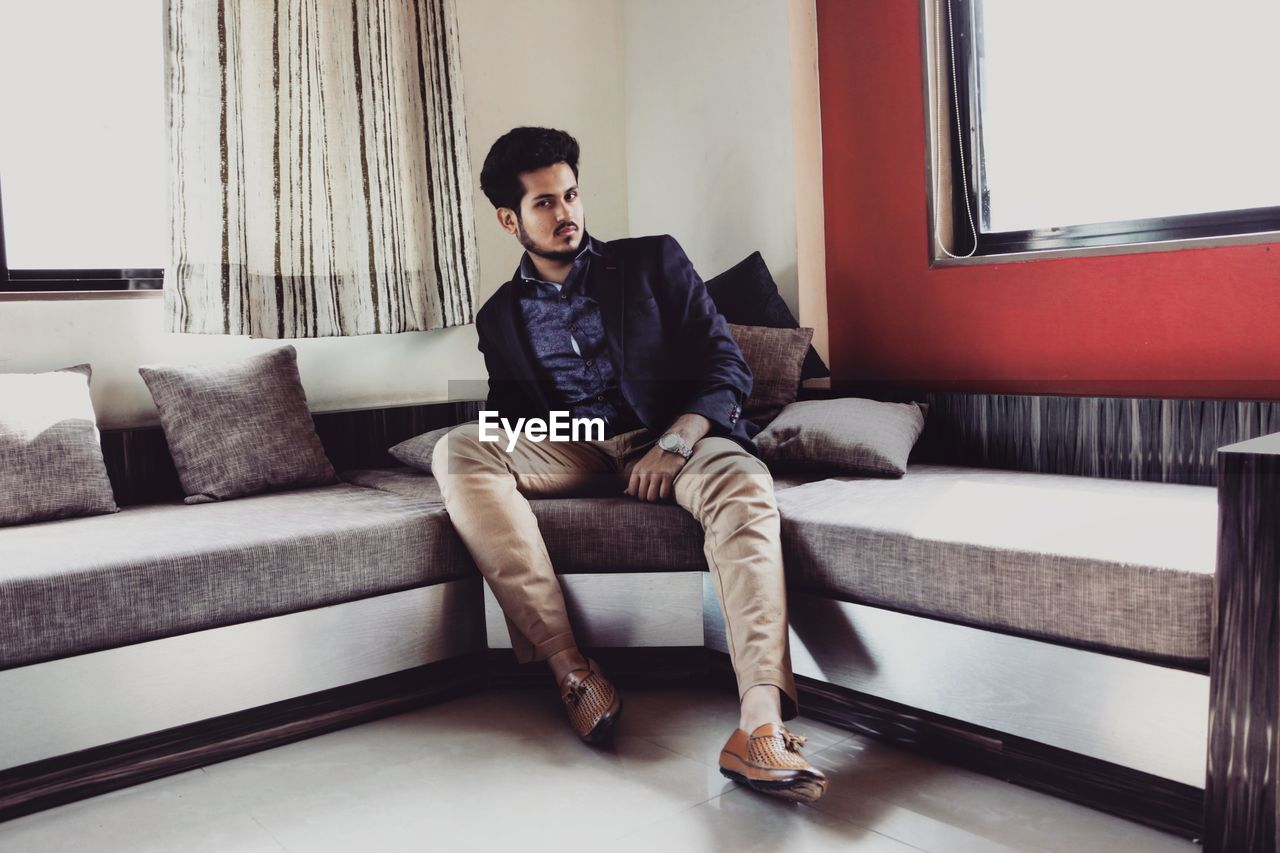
pixel 673 443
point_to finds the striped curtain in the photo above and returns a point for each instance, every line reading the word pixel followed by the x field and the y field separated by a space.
pixel 319 180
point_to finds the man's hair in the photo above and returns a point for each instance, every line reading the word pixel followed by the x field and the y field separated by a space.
pixel 523 149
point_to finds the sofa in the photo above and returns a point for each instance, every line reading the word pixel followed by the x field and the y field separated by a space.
pixel 1035 598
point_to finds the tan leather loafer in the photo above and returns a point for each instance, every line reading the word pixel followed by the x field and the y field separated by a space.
pixel 769 761
pixel 592 703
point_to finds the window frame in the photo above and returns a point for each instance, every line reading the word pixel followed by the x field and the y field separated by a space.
pixel 1229 227
pixel 71 280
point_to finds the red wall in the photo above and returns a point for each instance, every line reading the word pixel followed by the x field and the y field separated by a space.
pixel 1193 323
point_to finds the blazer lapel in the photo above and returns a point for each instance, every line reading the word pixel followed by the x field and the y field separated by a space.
pixel 515 342
pixel 609 289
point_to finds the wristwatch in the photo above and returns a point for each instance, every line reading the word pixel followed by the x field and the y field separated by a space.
pixel 673 443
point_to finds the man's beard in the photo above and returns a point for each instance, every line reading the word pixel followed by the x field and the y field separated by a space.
pixel 549 254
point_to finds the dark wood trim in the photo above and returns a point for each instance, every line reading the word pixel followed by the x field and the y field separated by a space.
pixel 1155 439
pixel 1097 784
pixel 76 776
pixel 77 281
pixel 1101 785
pixel 67 778
pixel 141 469
pixel 646 666
pixel 1244 683
pixel 1127 438
pixel 360 438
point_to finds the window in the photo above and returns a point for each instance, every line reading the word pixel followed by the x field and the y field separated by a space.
pixel 82 154
pixel 1105 122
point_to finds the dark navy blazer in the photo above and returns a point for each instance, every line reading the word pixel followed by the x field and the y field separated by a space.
pixel 671 346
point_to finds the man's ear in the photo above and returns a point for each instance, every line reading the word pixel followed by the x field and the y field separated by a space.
pixel 507 219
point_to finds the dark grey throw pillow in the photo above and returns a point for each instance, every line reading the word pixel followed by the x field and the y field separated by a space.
pixel 51 462
pixel 843 436
pixel 239 429
pixel 747 295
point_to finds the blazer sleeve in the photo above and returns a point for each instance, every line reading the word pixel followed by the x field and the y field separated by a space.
pixel 720 374
pixel 505 394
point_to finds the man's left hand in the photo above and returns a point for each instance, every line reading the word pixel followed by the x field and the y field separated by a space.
pixel 653 476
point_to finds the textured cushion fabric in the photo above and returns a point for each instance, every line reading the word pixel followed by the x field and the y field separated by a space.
pixel 412 483
pixel 747 295
pixel 401 481
pixel 1110 564
pixel 843 436
pixel 416 452
pixel 238 429
pixel 585 535
pixel 51 462
pixel 589 535
pixel 153 571
pixel 775 357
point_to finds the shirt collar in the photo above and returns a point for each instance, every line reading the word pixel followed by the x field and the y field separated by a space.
pixel 529 272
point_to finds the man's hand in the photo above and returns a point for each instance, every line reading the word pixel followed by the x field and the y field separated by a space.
pixel 653 476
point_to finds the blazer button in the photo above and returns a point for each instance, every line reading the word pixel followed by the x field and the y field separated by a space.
pixel 600 399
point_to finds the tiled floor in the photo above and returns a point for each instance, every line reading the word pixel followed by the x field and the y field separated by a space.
pixel 501 771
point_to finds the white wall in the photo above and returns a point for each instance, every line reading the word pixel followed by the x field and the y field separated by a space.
pixel 553 62
pixel 690 124
pixel 710 151
pixel 550 63
pixel 117 335
pixel 806 116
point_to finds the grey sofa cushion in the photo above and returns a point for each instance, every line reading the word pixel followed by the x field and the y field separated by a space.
pixel 588 535
pixel 51 462
pixel 401 481
pixel 1111 564
pixel 84 584
pixel 843 436
pixel 1108 564
pixel 584 535
pixel 239 429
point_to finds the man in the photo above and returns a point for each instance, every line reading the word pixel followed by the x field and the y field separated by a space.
pixel 623 332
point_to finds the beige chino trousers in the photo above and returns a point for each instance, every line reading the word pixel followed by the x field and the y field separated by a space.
pixel 729 492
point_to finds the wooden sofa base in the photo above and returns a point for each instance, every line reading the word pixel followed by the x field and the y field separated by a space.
pixel 1098 784
pixel 1149 718
pixel 70 704
pixel 874 672
pixel 90 772
pixel 79 775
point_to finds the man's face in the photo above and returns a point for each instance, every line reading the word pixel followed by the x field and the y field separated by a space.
pixel 551 221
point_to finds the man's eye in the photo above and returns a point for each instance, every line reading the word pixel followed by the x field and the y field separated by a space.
pixel 571 196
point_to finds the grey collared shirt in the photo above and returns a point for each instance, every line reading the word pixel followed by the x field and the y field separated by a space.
pixel 566 333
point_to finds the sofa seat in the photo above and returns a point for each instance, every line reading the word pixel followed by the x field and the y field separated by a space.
pixel 84 584
pixel 588 535
pixel 1115 565
pixel 1109 564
